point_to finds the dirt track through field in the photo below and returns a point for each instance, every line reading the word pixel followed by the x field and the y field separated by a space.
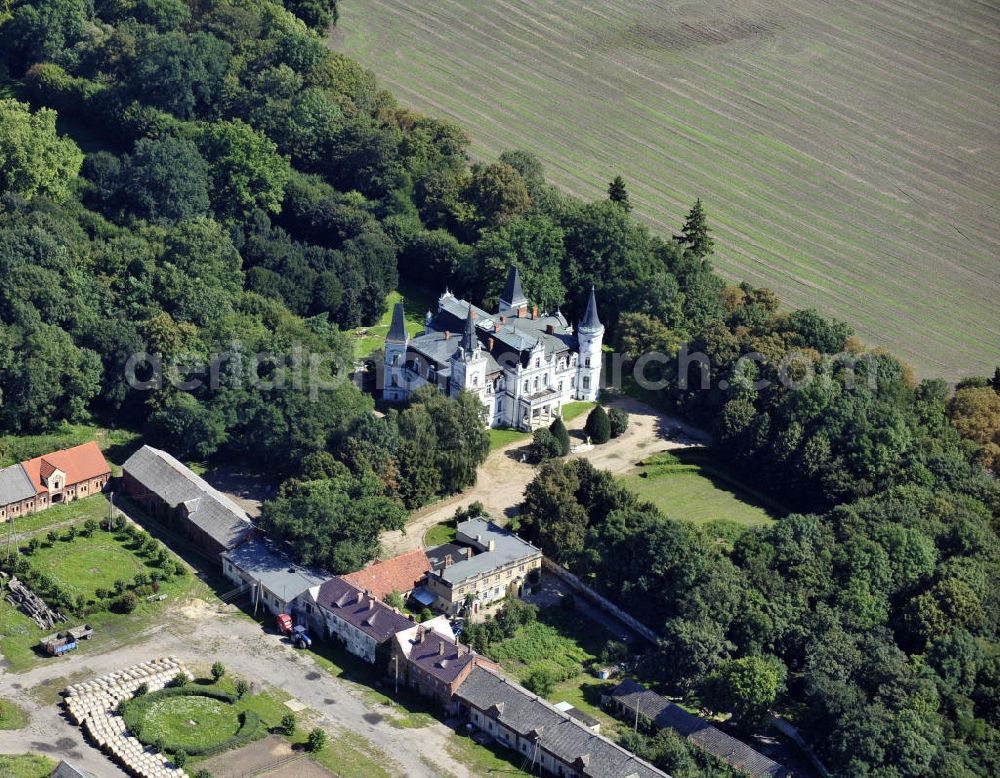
pixel 848 152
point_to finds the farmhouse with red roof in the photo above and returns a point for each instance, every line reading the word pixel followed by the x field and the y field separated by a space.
pixel 62 476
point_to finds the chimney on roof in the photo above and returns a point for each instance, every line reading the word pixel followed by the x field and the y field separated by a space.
pixel 448 561
pixel 503 319
pixel 534 311
pixel 371 603
pixel 441 648
pixel 420 633
pixel 519 313
pixel 489 347
pixel 493 545
pixel 360 596
pixel 468 552
pixel 447 335
pixel 550 328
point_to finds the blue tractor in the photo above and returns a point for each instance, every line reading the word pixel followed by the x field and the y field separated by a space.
pixel 301 638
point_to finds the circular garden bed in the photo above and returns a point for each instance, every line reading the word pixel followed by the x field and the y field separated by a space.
pixel 196 721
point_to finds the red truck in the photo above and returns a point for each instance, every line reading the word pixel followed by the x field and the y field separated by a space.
pixel 285 625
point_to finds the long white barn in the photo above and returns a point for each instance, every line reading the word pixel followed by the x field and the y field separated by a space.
pixel 524 366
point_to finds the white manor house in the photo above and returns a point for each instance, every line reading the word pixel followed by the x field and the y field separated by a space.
pixel 524 366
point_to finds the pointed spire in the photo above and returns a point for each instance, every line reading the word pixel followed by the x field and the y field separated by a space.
pixel 397 330
pixel 469 340
pixel 513 294
pixel 590 322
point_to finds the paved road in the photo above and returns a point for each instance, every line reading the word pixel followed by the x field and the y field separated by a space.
pixel 503 476
pixel 198 635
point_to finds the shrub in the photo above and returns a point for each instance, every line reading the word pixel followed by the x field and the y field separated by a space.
pixel 52 537
pixel 71 533
pixel 180 758
pixel 203 773
pixel 614 652
pixel 394 599
pixel 316 740
pixel 288 723
pixel 141 579
pixel 544 445
pixel 619 421
pixel 218 670
pixel 89 527
pixel 541 681
pixel 126 603
pixel 33 545
pixel 121 585
pixel 558 430
pixel 141 689
pixel 179 681
pixel 101 593
pixel 598 427
pixel 426 614
pixel 242 686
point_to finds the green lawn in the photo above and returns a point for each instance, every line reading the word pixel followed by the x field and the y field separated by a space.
pixel 416 303
pixel 192 722
pixel 504 437
pixel 439 534
pixel 489 759
pixel 696 490
pixel 26 766
pixel 117 444
pixel 571 410
pixel 93 507
pixel 12 715
pixel 83 565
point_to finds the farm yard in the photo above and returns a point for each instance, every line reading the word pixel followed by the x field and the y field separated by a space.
pixel 846 152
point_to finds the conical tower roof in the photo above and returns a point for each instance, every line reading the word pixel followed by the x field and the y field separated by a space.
pixel 469 340
pixel 590 321
pixel 513 294
pixel 397 330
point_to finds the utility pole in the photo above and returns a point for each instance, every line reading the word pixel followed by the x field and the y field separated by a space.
pixel 636 714
pixel 395 665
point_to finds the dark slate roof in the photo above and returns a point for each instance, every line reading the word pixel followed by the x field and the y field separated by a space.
pixel 664 713
pixel 442 658
pixel 469 339
pixel 513 295
pixel 65 770
pixel 507 548
pixel 437 555
pixel 206 507
pixel 556 732
pixel 368 614
pixel 267 562
pixel 397 330
pixel 15 485
pixel 590 322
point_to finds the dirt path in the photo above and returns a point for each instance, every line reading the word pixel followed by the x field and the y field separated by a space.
pixel 503 476
pixel 198 635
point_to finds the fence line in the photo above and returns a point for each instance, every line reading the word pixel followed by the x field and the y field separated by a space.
pixel 599 600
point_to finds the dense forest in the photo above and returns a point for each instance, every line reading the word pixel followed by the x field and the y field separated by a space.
pixel 195 179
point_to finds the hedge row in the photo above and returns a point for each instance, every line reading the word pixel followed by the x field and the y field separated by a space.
pixel 134 712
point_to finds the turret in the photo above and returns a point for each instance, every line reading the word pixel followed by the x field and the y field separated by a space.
pixel 468 364
pixel 396 343
pixel 590 336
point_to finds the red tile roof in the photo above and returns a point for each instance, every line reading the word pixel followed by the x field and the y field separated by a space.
pixel 80 463
pixel 401 574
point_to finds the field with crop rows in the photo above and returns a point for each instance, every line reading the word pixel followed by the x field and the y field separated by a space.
pixel 847 151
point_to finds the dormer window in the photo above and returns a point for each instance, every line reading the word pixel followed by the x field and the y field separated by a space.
pixel 538 361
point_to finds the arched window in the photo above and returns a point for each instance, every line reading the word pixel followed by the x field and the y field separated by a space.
pixel 526 385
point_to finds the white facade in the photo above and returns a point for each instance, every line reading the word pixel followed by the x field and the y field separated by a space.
pixel 523 366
